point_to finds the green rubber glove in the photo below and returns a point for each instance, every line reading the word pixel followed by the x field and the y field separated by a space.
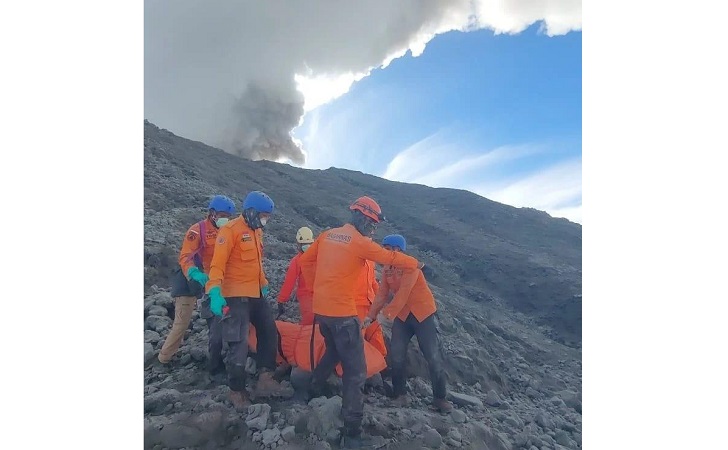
pixel 265 290
pixel 217 301
pixel 197 275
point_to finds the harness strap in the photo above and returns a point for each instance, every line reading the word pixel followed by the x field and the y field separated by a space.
pixel 310 345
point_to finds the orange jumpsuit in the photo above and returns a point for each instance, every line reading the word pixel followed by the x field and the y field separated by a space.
pixel 191 245
pixel 343 252
pixel 304 294
pixel 411 295
pixel 237 263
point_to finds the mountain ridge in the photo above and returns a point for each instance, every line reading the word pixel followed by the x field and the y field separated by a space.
pixel 522 255
pixel 507 283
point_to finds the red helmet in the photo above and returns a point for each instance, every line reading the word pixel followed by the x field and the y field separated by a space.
pixel 368 207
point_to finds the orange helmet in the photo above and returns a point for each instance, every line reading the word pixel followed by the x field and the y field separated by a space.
pixel 369 208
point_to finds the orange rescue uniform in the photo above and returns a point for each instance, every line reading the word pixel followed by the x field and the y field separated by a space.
pixel 304 294
pixel 191 246
pixel 412 295
pixel 237 263
pixel 339 256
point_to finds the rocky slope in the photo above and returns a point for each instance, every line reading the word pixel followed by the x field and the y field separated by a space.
pixel 507 282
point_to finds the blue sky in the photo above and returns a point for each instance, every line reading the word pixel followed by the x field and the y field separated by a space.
pixel 499 115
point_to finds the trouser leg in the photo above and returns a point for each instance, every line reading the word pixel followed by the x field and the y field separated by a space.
pixel 326 365
pixel 235 325
pixel 401 335
pixel 214 344
pixel 429 342
pixel 266 333
pixel 183 308
pixel 350 347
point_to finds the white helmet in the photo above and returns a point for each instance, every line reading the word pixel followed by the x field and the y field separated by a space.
pixel 304 235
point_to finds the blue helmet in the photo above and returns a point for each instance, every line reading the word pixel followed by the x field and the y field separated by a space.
pixel 222 204
pixel 395 240
pixel 259 201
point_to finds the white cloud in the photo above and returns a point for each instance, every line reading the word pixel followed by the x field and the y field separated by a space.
pixel 230 72
pixel 496 174
pixel 321 89
pixel 572 213
pixel 408 165
pixel 324 137
pixel 555 189
pixel 437 161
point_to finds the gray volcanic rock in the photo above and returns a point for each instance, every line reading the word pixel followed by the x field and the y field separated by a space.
pixel 507 282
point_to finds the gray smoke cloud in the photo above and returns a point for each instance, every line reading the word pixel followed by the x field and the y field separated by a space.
pixel 224 71
pixel 265 119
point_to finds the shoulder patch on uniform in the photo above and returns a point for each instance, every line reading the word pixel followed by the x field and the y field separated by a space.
pixel 221 239
pixel 191 236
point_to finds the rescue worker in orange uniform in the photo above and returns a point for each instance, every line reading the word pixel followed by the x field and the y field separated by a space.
pixel 189 280
pixel 304 293
pixel 366 291
pixel 413 311
pixel 339 256
pixel 237 289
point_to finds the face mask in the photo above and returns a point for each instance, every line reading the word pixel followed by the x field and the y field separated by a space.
pixel 305 247
pixel 220 221
pixel 263 221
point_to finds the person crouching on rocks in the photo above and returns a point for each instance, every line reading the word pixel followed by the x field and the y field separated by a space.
pixel 237 289
pixel 191 276
pixel 413 311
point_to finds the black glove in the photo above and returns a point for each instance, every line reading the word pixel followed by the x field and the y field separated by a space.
pixel 281 308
